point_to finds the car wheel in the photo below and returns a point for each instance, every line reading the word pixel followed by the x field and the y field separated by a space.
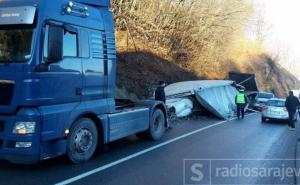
pixel 82 141
pixel 263 119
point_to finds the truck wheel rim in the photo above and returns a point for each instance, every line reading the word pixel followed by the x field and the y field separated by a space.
pixel 83 140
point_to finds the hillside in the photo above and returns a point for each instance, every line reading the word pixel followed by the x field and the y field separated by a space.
pixel 139 72
pixel 271 76
pixel 175 40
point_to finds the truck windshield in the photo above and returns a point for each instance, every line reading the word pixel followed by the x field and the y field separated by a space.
pixel 15 44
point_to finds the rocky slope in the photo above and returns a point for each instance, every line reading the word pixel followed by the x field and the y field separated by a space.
pixel 139 72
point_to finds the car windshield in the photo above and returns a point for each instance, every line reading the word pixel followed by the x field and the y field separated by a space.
pixel 276 103
pixel 15 44
pixel 265 95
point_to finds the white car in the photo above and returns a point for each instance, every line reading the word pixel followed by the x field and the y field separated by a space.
pixel 261 99
pixel 275 109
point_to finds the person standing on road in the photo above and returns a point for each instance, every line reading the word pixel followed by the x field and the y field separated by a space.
pixel 160 94
pixel 292 103
pixel 241 101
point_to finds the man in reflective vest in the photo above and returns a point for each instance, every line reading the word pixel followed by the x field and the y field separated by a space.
pixel 241 101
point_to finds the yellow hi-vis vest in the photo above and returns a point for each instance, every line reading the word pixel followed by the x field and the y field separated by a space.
pixel 240 99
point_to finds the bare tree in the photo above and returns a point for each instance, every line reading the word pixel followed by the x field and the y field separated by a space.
pixel 191 31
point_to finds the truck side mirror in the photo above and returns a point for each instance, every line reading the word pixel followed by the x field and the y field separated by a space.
pixel 55 44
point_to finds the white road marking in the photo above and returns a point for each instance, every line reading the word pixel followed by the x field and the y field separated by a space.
pixel 102 168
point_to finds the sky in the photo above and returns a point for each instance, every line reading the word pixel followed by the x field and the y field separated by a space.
pixel 282 29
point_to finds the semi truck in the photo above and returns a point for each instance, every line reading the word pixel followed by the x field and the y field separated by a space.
pixel 57 83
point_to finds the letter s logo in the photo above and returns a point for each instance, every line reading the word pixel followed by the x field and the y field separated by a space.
pixel 196 169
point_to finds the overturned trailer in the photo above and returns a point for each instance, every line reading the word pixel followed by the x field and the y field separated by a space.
pixel 248 81
pixel 216 96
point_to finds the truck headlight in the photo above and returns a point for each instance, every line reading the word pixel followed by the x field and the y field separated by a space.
pixel 23 128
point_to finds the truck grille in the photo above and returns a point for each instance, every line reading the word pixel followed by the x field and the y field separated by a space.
pixel 10 144
pixel 1 126
pixel 6 91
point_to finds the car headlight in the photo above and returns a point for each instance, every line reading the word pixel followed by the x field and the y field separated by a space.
pixel 23 128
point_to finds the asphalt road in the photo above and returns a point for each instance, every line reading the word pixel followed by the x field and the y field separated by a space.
pixel 198 151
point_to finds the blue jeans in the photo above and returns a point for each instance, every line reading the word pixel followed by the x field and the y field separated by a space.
pixel 292 118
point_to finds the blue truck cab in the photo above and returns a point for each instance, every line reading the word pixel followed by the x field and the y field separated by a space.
pixel 57 82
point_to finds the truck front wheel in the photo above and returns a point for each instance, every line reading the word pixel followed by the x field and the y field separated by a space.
pixel 82 141
pixel 157 125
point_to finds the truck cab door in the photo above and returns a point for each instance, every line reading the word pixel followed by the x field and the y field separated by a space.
pixel 95 70
pixel 62 81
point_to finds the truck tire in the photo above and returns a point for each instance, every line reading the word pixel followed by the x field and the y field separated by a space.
pixel 157 125
pixel 156 130
pixel 82 141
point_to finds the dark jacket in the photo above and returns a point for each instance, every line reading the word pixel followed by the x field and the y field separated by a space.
pixel 160 94
pixel 292 103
